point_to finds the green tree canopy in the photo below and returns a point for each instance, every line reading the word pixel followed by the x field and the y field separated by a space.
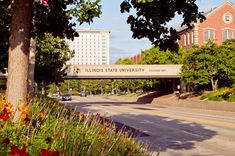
pixel 209 64
pixel 230 42
pixel 124 61
pixel 228 53
pixel 45 17
pixel 29 19
pixel 51 56
pixel 45 20
pixel 157 56
pixel 126 85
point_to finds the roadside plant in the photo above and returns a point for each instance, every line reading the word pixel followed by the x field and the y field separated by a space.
pixel 48 128
pixel 223 94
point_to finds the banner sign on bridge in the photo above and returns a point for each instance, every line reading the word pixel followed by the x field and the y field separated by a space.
pixel 123 71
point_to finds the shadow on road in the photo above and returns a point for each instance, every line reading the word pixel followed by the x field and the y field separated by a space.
pixel 166 133
pixel 162 133
pixel 148 98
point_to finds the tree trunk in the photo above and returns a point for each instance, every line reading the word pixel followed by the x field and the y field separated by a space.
pixel 44 88
pixel 19 42
pixel 113 92
pixel 31 65
pixel 128 90
pixel 214 84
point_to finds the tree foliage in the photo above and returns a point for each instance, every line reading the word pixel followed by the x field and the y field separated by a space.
pixel 67 86
pixel 4 32
pixel 55 18
pixel 126 85
pixel 46 20
pixel 51 56
pixel 45 16
pixel 209 64
pixel 157 56
pixel 124 61
pixel 228 53
pixel 152 17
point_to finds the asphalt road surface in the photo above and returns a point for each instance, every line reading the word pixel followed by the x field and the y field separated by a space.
pixel 171 131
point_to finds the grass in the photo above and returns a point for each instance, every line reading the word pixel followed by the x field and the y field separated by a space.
pixel 223 94
pixel 47 126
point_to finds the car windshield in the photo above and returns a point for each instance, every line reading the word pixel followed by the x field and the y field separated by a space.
pixel 67 95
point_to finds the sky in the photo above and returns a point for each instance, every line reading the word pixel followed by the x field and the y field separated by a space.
pixel 121 43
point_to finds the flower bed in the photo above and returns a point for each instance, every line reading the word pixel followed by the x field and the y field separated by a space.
pixel 47 128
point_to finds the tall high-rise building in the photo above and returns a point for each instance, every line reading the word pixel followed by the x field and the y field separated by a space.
pixel 91 47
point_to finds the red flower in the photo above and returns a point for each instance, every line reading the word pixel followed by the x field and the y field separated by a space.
pixel 15 151
pixel 5 114
pixel 49 153
pixel 26 121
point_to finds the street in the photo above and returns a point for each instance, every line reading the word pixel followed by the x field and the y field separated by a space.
pixel 171 131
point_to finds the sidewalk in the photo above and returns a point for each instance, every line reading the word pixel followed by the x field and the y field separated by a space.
pixel 171 100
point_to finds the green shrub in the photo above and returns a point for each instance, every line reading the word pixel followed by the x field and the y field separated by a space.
pixel 223 94
pixel 47 126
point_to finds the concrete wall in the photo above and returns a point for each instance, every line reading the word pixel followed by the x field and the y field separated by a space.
pixel 198 104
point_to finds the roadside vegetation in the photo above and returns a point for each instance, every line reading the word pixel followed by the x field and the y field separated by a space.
pixel 223 94
pixel 48 128
pixel 206 68
pixel 209 66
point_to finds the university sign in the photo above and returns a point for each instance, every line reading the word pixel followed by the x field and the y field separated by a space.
pixel 123 71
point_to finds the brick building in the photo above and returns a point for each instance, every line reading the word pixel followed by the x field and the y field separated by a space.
pixel 218 26
pixel 137 58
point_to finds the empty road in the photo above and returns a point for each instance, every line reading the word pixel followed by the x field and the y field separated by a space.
pixel 171 131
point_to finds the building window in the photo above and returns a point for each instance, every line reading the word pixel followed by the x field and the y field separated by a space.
pixel 227 34
pixel 192 37
pixel 227 18
pixel 209 35
pixel 185 40
pixel 188 38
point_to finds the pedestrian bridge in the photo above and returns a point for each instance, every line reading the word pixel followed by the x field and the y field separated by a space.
pixel 120 72
pixel 123 71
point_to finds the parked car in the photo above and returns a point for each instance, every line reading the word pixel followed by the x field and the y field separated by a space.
pixel 55 95
pixel 82 94
pixel 66 97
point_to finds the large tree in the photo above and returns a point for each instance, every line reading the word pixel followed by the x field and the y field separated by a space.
pixel 228 53
pixel 51 56
pixel 54 17
pixel 22 29
pixel 209 64
pixel 19 42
